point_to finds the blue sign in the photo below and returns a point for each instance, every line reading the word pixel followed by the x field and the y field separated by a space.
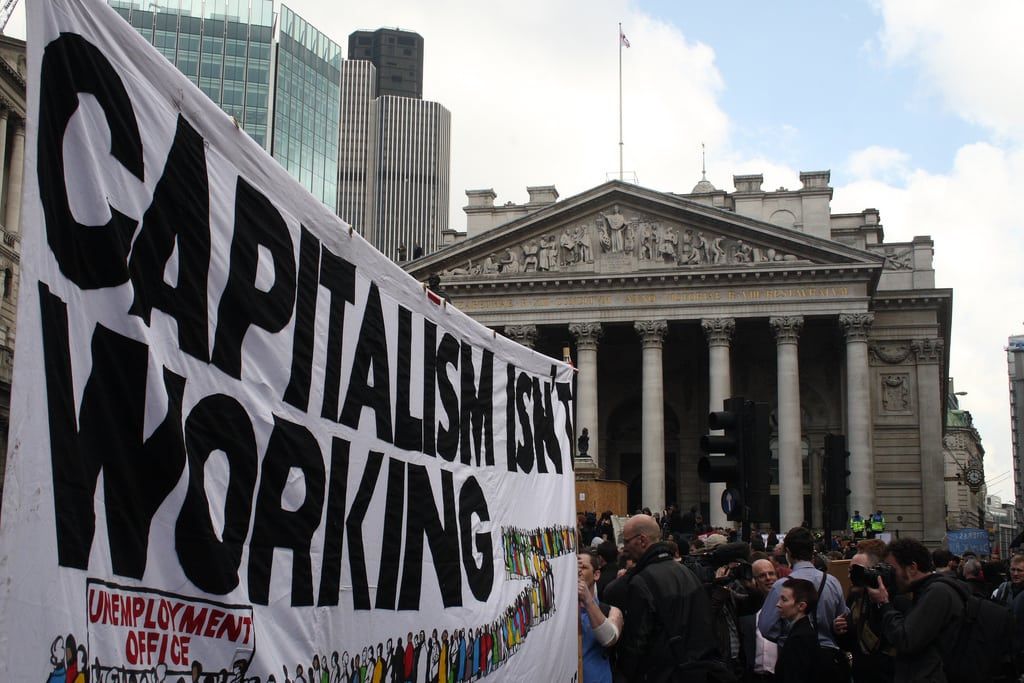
pixel 730 501
pixel 968 540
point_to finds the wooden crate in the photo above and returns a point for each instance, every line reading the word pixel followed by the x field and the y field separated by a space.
pixel 598 495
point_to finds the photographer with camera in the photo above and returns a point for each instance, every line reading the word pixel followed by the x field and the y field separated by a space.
pixel 857 632
pixel 930 626
pixel 799 546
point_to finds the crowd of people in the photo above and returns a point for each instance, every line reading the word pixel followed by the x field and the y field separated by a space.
pixel 668 599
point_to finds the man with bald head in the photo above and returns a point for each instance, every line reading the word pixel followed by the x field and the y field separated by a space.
pixel 667 612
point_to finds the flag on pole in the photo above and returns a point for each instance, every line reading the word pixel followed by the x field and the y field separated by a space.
pixel 623 38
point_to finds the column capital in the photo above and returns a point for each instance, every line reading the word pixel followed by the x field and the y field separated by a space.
pixel 719 331
pixel 523 334
pixel 586 334
pixel 786 328
pixel 927 350
pixel 651 331
pixel 856 325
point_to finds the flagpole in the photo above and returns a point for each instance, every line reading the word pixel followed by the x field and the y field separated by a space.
pixel 620 101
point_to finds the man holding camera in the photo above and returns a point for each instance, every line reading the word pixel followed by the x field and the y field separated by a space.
pixel 929 627
pixel 667 612
pixel 855 632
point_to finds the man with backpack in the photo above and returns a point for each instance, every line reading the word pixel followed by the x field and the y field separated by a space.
pixel 946 634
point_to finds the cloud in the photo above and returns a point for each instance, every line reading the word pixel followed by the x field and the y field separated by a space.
pixel 883 163
pixel 966 53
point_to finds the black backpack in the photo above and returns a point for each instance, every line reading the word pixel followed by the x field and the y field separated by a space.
pixel 983 646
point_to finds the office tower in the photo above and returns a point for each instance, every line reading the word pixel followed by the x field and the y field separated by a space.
pixel 223 46
pixel 356 158
pixel 307 106
pixel 410 195
pixel 398 57
pixel 1015 363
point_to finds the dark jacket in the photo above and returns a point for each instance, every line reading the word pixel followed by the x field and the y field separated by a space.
pixel 667 618
pixel 799 658
pixel 925 631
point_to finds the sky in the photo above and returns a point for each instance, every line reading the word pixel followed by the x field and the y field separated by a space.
pixel 914 106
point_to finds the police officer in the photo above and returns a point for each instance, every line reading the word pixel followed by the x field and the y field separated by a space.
pixel 876 524
pixel 857 525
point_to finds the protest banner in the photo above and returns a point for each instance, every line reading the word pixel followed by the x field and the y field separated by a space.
pixel 244 444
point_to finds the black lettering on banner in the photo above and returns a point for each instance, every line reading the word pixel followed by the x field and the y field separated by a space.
pixel 422 518
pixel 92 257
pixel 448 437
pixel 217 422
pixel 334 527
pixel 472 502
pixel 137 475
pixel 371 355
pixel 297 392
pixel 477 408
pixel 257 223
pixel 338 276
pixel 408 429
pixel 510 417
pixel 391 540
pixel 354 529
pixel 429 387
pixel 545 440
pixel 524 450
pixel 179 213
pixel 291 446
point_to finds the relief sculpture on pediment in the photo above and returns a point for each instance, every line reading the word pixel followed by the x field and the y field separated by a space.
pixel 618 241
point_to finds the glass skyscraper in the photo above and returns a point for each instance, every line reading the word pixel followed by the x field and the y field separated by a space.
pixel 223 46
pixel 307 106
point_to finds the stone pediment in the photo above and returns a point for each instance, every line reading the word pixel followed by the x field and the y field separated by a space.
pixel 619 228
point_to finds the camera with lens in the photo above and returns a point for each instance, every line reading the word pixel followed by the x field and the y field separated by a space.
pixel 742 572
pixel 867 577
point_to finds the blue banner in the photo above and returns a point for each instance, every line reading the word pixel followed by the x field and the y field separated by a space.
pixel 968 540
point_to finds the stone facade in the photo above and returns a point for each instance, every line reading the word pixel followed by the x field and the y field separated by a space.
pixel 673 302
pixel 12 156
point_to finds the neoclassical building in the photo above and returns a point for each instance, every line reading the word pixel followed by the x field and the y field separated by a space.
pixel 12 159
pixel 670 303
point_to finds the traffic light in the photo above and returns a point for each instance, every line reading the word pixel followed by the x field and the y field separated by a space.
pixel 756 458
pixel 837 492
pixel 726 467
pixel 743 465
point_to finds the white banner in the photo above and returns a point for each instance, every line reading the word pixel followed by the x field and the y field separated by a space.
pixel 246 446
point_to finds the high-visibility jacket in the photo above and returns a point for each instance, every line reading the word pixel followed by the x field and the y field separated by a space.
pixel 878 522
pixel 856 524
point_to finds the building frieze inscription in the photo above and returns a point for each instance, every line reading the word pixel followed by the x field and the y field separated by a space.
pixel 667 298
pixel 618 241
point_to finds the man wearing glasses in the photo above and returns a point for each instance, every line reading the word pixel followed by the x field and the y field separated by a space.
pixel 667 612
pixel 1008 590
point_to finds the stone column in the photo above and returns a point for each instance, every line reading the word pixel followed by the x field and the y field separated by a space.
pixel 653 460
pixel 719 333
pixel 791 479
pixel 4 116
pixel 11 223
pixel 858 411
pixel 587 336
pixel 522 334
pixel 814 458
pixel 931 404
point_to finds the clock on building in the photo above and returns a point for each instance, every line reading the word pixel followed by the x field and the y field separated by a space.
pixel 975 477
